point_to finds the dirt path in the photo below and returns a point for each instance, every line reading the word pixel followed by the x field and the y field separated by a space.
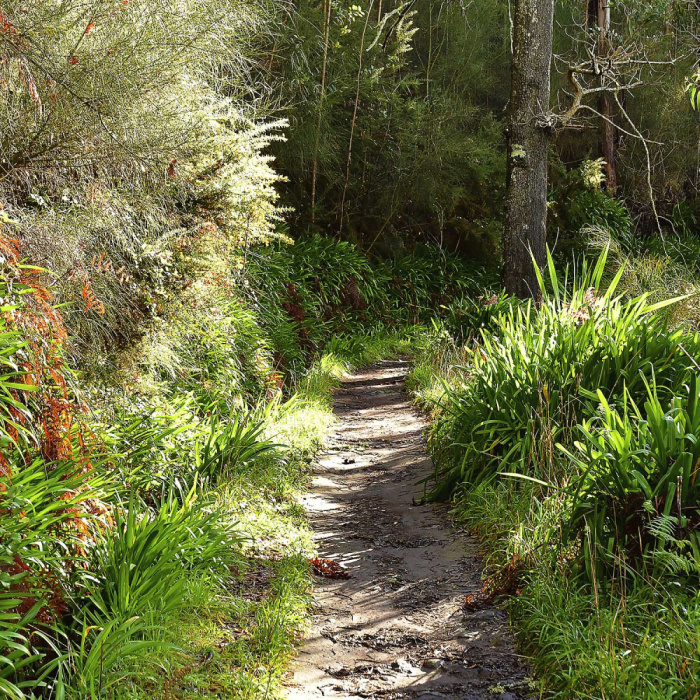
pixel 396 628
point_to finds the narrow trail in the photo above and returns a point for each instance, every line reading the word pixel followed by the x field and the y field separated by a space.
pixel 396 628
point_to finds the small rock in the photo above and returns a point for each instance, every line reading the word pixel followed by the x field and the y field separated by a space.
pixel 403 666
pixel 469 635
pixel 338 671
pixel 433 664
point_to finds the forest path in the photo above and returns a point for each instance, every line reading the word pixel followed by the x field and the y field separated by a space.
pixel 397 628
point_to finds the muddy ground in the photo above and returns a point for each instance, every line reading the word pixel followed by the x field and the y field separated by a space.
pixel 397 628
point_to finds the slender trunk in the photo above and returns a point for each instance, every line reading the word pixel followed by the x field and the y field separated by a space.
pixel 314 168
pixel 525 234
pixel 288 14
pixel 430 58
pixel 608 150
pixel 354 117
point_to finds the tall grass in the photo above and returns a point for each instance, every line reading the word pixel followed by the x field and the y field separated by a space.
pixel 535 373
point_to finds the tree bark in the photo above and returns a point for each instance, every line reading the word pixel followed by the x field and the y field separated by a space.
pixel 528 138
pixel 314 167
pixel 599 14
pixel 608 148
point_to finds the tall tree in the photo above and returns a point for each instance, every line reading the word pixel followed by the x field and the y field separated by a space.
pixel 314 169
pixel 528 136
pixel 599 16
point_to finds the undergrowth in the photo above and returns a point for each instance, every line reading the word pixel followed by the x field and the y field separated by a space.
pixel 153 543
pixel 567 436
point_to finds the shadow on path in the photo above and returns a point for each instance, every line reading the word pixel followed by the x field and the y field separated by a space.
pixel 396 628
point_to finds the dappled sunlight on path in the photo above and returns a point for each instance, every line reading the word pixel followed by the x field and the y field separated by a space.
pixel 396 628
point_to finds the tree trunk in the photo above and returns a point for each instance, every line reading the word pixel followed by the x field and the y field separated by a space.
pixel 608 146
pixel 528 140
pixel 314 167
pixel 599 13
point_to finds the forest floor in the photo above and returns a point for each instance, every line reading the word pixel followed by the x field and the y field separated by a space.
pixel 397 627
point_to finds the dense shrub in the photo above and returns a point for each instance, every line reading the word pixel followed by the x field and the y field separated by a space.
pixel 537 379
pixel 535 373
pixel 321 288
pixel 635 500
pixel 132 163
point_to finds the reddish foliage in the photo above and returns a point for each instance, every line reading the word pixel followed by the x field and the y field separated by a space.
pixel 294 310
pixel 29 586
pixel 91 301
pixel 6 27
pixel 52 406
pixel 504 582
pixel 274 383
pixel 292 306
pixel 351 295
pixel 51 410
pixel 328 568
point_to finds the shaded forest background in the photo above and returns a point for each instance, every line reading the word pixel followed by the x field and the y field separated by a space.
pixel 402 121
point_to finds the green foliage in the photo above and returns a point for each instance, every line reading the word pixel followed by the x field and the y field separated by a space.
pixel 426 280
pixel 43 523
pixel 396 130
pixel 13 413
pixel 656 267
pixel 100 649
pixel 16 654
pixel 230 447
pixel 135 167
pixel 147 442
pixel 636 492
pixel 467 317
pixel 212 426
pixel 320 289
pixel 583 641
pixel 534 376
pixel 567 436
pixel 246 665
pixel 397 143
pixel 144 561
pixel 580 206
pixel 133 159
